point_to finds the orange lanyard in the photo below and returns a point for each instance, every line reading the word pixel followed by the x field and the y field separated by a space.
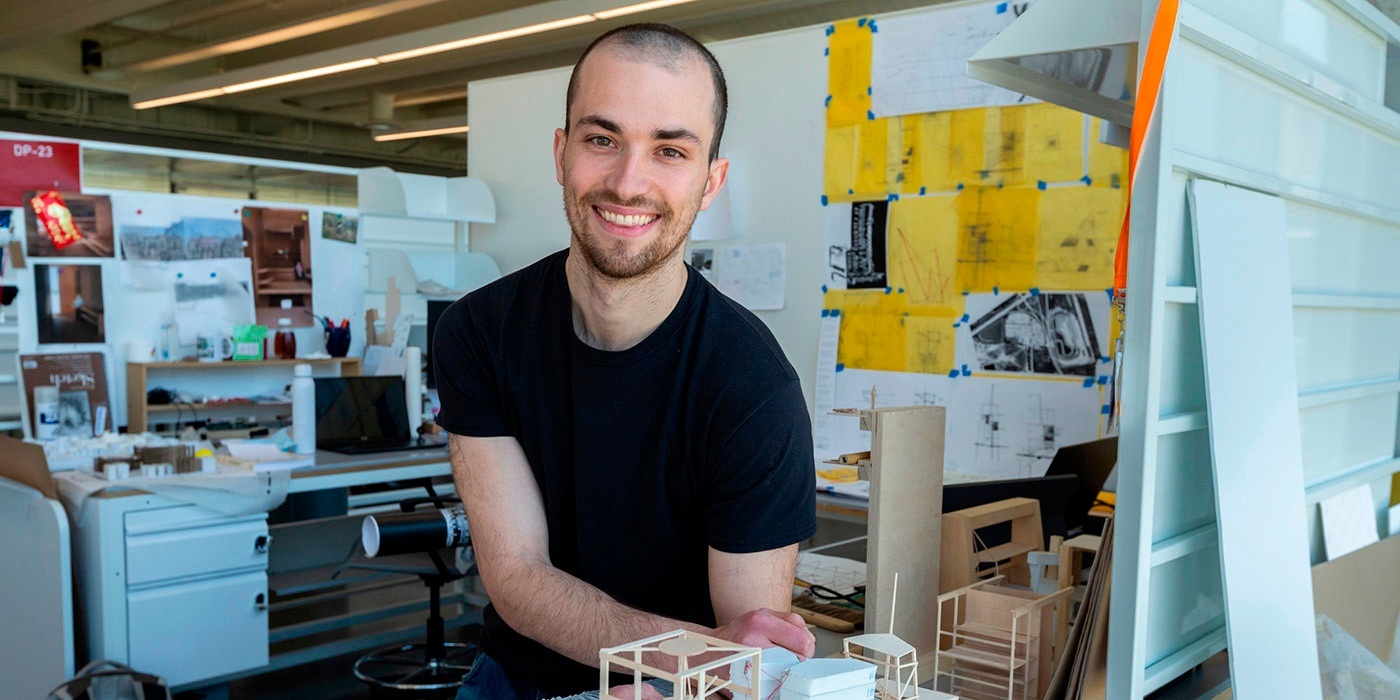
pixel 1163 28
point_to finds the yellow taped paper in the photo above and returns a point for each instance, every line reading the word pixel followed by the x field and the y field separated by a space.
pixel 1004 147
pixel 997 232
pixel 928 136
pixel 966 158
pixel 922 248
pixel 871 340
pixel 840 475
pixel 840 178
pixel 1108 165
pixel 849 50
pixel 929 342
pixel 1078 235
pixel 1054 138
pixel 872 150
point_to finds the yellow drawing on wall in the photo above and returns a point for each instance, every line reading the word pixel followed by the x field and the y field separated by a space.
pixel 872 151
pixel 922 248
pixel 997 238
pixel 840 160
pixel 849 50
pixel 1078 235
pixel 929 342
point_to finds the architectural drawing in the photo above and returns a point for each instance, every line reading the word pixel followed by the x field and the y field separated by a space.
pixel 1052 333
pixel 1012 427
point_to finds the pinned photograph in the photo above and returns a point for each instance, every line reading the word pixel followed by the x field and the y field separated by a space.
pixel 68 225
pixel 68 302
pixel 190 238
pixel 339 227
pixel 1043 333
pixel 279 245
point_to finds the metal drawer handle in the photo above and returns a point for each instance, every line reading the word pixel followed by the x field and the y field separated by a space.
pixel 262 543
pixel 260 602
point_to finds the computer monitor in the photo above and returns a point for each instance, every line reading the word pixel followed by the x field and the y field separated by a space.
pixel 1053 492
pixel 435 309
pixel 1092 462
pixel 360 411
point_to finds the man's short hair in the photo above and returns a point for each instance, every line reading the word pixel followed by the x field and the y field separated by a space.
pixel 666 46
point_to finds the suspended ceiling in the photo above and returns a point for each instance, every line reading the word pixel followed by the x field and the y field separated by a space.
pixel 148 47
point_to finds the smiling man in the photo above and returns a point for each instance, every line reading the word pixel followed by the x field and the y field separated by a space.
pixel 632 447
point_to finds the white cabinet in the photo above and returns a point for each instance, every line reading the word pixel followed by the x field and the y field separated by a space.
pixel 173 589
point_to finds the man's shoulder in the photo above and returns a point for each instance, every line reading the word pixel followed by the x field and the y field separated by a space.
pixel 738 338
pixel 508 297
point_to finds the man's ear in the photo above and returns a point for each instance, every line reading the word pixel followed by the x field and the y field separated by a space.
pixel 560 138
pixel 719 173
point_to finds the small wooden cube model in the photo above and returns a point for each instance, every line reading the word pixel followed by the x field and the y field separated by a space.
pixel 691 682
pixel 996 641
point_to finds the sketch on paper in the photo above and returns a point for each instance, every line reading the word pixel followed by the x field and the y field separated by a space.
pixel 854 388
pixel 1012 427
pixel 919 63
pixel 855 245
pixel 1047 333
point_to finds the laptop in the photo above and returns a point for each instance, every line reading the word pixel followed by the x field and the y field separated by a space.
pixel 360 415
pixel 1092 462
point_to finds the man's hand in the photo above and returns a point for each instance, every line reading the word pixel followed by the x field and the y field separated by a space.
pixel 630 692
pixel 766 628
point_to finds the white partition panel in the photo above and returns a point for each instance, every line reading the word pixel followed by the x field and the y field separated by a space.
pixel 1284 97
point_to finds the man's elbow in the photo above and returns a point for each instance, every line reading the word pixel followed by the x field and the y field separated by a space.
pixel 512 584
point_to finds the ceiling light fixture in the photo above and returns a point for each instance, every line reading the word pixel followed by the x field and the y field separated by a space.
pixel 503 25
pixel 422 133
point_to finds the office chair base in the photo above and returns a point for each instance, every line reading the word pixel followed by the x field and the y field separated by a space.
pixel 406 669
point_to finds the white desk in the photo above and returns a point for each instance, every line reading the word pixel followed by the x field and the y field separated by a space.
pixel 188 593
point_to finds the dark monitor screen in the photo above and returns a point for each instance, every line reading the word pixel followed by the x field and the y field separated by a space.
pixel 1053 492
pixel 360 410
pixel 1091 462
pixel 435 309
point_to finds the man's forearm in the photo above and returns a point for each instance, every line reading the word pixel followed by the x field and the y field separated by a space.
pixel 574 618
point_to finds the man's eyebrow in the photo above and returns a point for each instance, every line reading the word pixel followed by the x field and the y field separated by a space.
pixel 678 134
pixel 601 122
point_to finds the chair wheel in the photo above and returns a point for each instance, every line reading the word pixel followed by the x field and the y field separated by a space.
pixel 405 670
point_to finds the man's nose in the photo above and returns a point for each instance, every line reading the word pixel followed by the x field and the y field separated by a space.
pixel 631 177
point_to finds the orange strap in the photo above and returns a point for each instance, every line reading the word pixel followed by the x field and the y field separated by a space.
pixel 1163 27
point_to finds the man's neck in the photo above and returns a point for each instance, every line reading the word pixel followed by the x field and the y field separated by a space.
pixel 614 315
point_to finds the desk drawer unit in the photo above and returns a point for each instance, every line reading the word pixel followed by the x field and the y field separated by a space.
pixel 160 551
pixel 204 629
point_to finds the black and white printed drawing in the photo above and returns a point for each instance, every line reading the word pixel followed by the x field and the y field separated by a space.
pixel 856 242
pixel 1057 334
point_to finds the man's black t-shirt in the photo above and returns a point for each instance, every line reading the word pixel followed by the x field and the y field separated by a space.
pixel 697 437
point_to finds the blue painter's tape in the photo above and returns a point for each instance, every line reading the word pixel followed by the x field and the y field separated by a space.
pixel 964 319
pixel 869 115
pixel 901 291
pixel 835 313
pixel 1035 291
pixel 892 198
pixel 825 201
pixel 823 289
pixel 1104 409
pixel 888 290
pixel 1001 185
pixel 996 290
pixel 830 29
pixel 828 100
pixel 923 190
pixel 953 374
pixel 850 191
pixel 1040 185
pixel 874 28
pixel 960 186
pixel 869 90
pixel 966 372
pixel 825 313
pixel 1001 8
pixel 826 51
pixel 966 293
pixel 957 325
pixel 1088 382
pixel 1109 292
pixel 1103 381
pixel 840 367
pixel 1087 180
pixel 860 22
pixel 1105 359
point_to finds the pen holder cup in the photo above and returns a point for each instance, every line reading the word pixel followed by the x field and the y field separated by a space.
pixel 337 341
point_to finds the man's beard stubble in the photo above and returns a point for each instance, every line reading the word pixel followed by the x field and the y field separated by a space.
pixel 615 262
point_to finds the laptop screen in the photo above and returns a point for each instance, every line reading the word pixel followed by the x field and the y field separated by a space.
pixel 360 410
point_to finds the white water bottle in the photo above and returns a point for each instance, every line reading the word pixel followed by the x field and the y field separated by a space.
pixel 304 410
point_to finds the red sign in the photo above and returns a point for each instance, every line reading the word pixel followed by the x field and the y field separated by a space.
pixel 37 166
pixel 53 214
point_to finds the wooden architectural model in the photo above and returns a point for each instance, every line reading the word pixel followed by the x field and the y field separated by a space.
pixel 996 641
pixel 694 678
pixel 896 659
pixel 905 470
pixel 965 556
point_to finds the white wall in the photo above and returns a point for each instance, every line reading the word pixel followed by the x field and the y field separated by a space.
pixel 774 137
